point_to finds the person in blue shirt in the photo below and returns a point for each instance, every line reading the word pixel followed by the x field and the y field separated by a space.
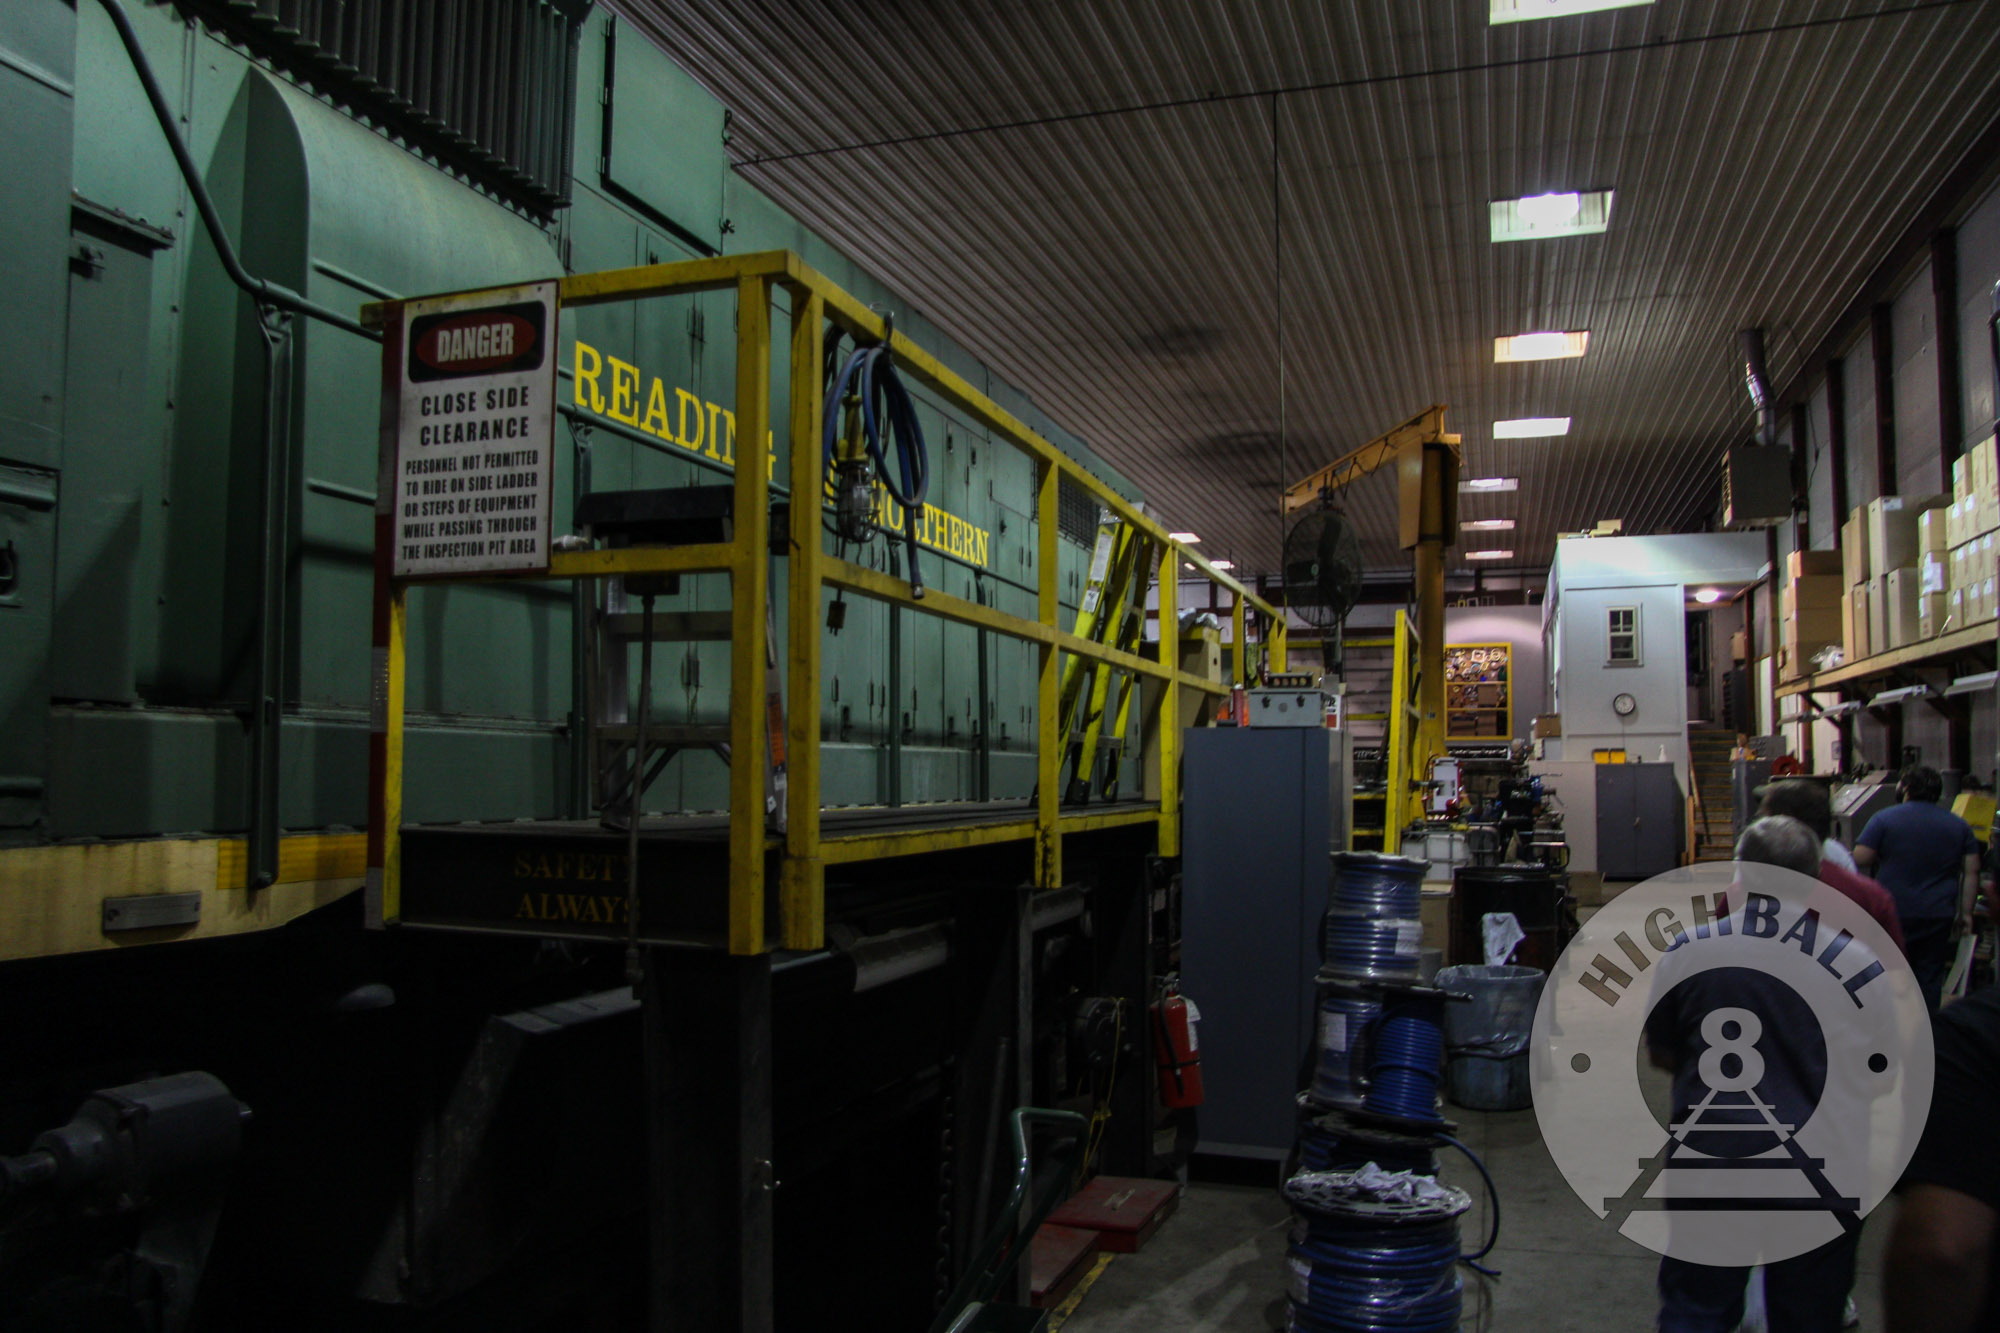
pixel 1928 860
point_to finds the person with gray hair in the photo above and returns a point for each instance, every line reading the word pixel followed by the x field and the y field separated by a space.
pixel 1780 840
pixel 1809 1292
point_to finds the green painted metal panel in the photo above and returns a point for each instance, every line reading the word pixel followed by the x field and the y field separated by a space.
pixel 192 777
pixel 110 515
pixel 662 137
pixel 35 108
pixel 27 584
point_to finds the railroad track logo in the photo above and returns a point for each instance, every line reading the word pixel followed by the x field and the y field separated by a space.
pixel 1732 1063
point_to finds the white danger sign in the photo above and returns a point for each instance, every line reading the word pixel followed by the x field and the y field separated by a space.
pixel 475 432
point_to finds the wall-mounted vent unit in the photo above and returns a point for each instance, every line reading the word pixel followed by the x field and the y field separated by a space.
pixel 488 89
pixel 1756 486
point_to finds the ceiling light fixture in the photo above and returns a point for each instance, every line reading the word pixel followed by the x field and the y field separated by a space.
pixel 1578 213
pixel 1222 564
pixel 1522 11
pixel 1489 525
pixel 1709 596
pixel 1530 428
pixel 1489 555
pixel 1187 537
pixel 1490 484
pixel 1540 346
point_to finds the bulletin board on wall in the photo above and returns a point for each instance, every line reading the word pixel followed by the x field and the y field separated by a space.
pixel 1478 691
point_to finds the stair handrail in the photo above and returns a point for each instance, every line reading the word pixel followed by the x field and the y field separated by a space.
pixel 1008 1241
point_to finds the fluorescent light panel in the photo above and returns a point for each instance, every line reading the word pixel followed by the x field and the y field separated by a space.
pixel 1540 346
pixel 1223 564
pixel 1489 525
pixel 1523 11
pixel 1530 428
pixel 1188 537
pixel 1576 213
pixel 1489 555
pixel 1487 485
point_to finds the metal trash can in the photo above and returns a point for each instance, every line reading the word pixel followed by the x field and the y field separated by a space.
pixel 1486 1039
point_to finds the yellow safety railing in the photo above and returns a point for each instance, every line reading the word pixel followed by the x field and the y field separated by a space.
pixel 804 853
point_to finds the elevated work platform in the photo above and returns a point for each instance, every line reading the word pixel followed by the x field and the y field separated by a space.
pixel 765 863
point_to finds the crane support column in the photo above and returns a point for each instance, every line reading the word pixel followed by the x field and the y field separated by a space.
pixel 1437 495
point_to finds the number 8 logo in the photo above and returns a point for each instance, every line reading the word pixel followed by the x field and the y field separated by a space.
pixel 1742 1044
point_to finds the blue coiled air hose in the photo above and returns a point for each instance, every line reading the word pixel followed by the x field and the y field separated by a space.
pixel 1403 1068
pixel 888 424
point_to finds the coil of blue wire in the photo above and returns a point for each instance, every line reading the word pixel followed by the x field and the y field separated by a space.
pixel 1347 1017
pixel 1375 884
pixel 888 423
pixel 1371 948
pixel 1406 1055
pixel 1349 1275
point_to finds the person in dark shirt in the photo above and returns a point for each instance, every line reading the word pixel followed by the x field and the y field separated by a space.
pixel 1939 1275
pixel 1806 1293
pixel 1808 802
pixel 1928 860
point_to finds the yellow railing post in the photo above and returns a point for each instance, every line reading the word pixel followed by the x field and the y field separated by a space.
pixel 802 891
pixel 1281 635
pixel 1169 777
pixel 393 699
pixel 1395 741
pixel 749 588
pixel 1048 736
pixel 1241 649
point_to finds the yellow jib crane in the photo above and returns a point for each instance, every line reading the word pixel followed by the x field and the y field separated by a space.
pixel 1426 459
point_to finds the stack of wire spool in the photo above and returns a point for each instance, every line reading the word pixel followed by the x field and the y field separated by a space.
pixel 1365 1262
pixel 1363 1265
pixel 1372 930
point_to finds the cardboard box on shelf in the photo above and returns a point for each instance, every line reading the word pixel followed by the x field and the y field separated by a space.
pixel 1810 592
pixel 1811 564
pixel 1903 616
pixel 1934 614
pixel 1878 614
pixel 1892 530
pixel 1546 727
pixel 1857 642
pixel 1854 548
pixel 1934 528
pixel 1987 608
pixel 1934 571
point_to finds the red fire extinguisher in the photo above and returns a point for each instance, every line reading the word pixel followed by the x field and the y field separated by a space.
pixel 1177 1050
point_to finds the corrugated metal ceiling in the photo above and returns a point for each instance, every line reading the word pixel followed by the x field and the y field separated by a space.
pixel 1082 192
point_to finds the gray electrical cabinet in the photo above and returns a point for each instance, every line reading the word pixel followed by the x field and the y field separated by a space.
pixel 1639 810
pixel 1262 809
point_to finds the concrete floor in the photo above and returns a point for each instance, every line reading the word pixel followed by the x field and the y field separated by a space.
pixel 1217 1265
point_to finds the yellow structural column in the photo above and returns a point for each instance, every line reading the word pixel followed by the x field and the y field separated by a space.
pixel 1170 704
pixel 802 890
pixel 1048 735
pixel 749 588
pixel 1431 539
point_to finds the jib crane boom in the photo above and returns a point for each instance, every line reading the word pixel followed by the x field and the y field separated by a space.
pixel 1426 460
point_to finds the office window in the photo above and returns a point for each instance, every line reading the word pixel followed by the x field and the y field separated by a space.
pixel 1622 636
